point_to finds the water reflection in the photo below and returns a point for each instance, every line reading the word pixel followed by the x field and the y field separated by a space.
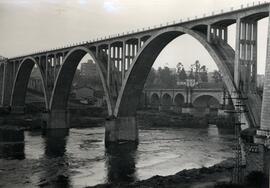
pixel 78 158
pixel 121 162
pixel 12 143
pixel 56 167
pixel 55 142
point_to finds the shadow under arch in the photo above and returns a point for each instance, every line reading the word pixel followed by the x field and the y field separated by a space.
pixel 179 99
pixel 136 76
pixel 21 81
pixel 206 101
pixel 154 99
pixel 61 90
pixel 166 99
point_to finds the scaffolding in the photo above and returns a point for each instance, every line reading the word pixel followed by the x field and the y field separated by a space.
pixel 239 110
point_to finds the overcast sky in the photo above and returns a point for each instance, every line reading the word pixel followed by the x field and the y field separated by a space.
pixel 30 25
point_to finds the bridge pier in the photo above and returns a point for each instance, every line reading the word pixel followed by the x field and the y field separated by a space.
pixel 264 131
pixel 58 119
pixel 262 135
pixel 121 129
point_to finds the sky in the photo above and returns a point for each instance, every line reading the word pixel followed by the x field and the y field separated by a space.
pixel 31 25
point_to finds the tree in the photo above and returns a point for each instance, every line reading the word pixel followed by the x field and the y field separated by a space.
pixel 217 76
pixel 196 69
pixel 166 78
pixel 203 74
pixel 182 75
pixel 179 67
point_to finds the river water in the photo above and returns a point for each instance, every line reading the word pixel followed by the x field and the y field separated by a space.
pixel 78 158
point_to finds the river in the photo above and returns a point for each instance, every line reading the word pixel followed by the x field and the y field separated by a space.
pixel 78 158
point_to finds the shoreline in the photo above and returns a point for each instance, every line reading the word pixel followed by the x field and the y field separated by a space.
pixel 194 178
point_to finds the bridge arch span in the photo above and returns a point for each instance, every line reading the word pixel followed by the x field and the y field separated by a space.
pixel 62 86
pixel 179 99
pixel 21 81
pixel 154 99
pixel 142 63
pixel 204 101
pixel 167 94
pixel 166 101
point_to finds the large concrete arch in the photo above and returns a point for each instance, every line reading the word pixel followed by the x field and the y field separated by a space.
pixel 65 76
pixel 142 63
pixel 21 81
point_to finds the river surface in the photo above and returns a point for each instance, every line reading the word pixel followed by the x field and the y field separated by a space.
pixel 78 158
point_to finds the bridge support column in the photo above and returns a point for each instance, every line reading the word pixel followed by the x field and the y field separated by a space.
pixel 245 72
pixel 121 129
pixel 265 113
pixel 209 33
pixel 262 137
pixel 237 54
pixel 58 119
pixel 123 67
pixel 109 66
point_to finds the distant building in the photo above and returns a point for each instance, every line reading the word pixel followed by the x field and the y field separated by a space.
pixel 35 82
pixel 89 69
pixel 35 73
pixel 88 95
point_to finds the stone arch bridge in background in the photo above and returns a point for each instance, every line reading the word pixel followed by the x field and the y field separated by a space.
pixel 181 100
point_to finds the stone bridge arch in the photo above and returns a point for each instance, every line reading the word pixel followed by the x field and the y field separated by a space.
pixel 62 86
pixel 154 99
pixel 207 101
pixel 21 80
pixel 142 63
pixel 217 95
pixel 166 99
pixel 179 99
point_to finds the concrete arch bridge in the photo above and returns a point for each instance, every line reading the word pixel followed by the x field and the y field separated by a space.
pixel 125 60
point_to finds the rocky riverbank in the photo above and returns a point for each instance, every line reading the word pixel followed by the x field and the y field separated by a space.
pixel 193 178
pixel 217 176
